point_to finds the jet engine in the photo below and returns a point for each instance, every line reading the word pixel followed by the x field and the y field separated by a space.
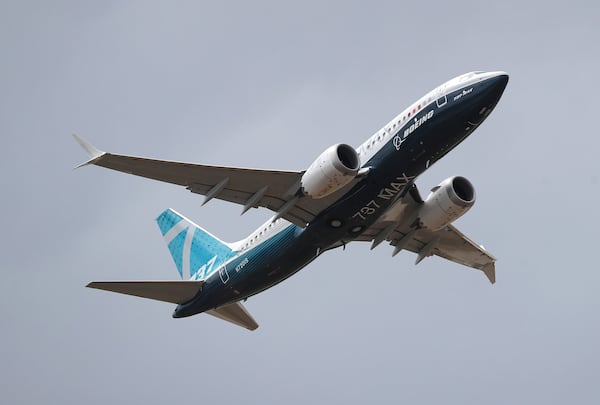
pixel 332 170
pixel 446 203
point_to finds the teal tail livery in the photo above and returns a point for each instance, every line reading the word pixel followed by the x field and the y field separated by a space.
pixel 364 193
pixel 196 252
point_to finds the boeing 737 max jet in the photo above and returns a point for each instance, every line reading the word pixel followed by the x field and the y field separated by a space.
pixel 347 194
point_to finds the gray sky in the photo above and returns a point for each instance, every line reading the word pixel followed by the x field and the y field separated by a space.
pixel 271 85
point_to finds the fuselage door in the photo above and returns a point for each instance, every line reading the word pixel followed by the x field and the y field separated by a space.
pixel 441 96
pixel 224 274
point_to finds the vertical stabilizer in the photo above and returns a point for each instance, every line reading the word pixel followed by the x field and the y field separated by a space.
pixel 196 252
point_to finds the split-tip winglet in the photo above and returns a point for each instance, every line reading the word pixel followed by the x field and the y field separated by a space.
pixel 93 152
pixel 490 271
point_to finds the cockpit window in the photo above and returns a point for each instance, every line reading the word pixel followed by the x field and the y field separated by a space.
pixel 467 76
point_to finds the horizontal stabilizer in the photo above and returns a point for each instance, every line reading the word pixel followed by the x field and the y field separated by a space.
pixel 176 292
pixel 236 314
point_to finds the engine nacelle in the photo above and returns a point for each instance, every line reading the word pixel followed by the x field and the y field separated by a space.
pixel 332 170
pixel 446 203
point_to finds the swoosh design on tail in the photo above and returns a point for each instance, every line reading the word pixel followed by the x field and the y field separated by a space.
pixel 196 252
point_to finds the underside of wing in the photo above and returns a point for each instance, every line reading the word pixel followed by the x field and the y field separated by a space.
pixel 397 227
pixel 449 243
pixel 176 292
pixel 272 189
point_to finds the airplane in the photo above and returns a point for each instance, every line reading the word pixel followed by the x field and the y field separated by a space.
pixel 346 195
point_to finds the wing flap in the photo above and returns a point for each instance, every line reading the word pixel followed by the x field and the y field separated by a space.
pixel 176 292
pixel 236 314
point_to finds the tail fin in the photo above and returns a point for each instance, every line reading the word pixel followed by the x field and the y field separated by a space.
pixel 196 252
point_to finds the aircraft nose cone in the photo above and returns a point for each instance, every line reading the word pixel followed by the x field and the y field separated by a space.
pixel 499 81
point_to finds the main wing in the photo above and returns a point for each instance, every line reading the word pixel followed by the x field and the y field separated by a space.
pixel 448 243
pixel 272 189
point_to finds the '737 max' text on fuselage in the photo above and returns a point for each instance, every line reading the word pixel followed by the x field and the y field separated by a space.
pixel 347 194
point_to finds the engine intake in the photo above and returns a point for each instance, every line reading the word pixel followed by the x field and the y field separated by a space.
pixel 331 171
pixel 446 203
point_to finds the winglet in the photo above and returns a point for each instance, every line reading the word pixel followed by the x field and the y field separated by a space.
pixel 93 152
pixel 490 272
